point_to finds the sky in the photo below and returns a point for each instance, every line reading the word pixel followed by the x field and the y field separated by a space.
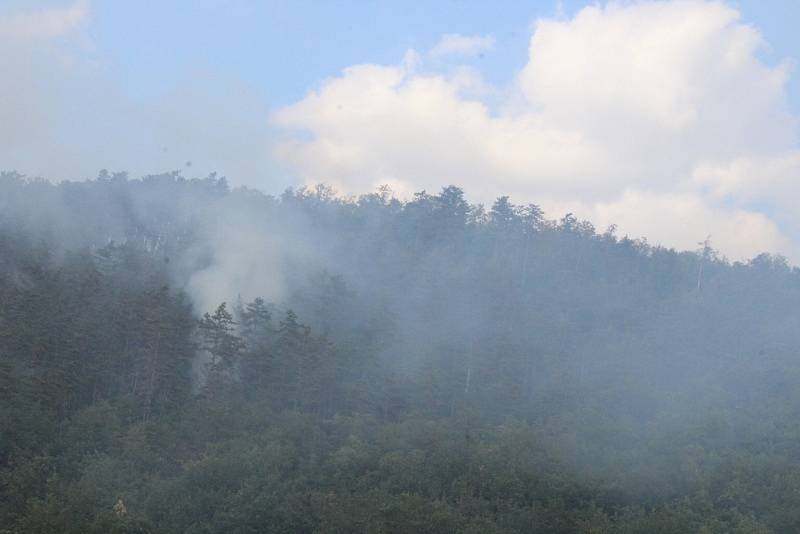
pixel 673 119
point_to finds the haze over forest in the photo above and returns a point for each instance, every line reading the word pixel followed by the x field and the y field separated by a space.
pixel 673 120
pixel 228 361
pixel 468 270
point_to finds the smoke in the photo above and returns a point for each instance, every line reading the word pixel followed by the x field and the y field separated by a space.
pixel 243 251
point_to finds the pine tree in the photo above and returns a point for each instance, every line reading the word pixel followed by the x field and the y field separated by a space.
pixel 257 360
pixel 219 340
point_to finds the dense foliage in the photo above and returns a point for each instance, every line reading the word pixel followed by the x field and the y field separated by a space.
pixel 374 365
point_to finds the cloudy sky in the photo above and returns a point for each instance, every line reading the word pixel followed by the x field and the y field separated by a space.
pixel 673 119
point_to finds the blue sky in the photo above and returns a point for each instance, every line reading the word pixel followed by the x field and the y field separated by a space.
pixel 673 119
pixel 286 47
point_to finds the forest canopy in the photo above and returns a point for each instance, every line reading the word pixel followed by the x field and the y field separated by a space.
pixel 180 356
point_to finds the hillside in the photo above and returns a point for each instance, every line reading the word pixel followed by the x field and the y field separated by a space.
pixel 222 360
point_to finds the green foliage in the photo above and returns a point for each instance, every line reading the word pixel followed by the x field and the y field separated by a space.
pixel 433 368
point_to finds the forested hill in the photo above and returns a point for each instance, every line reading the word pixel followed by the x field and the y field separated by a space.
pixel 177 356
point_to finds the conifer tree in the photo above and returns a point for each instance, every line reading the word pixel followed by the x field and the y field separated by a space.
pixel 223 346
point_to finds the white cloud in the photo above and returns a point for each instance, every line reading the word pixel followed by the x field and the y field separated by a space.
pixel 684 219
pixel 772 179
pixel 635 112
pixel 771 182
pixel 657 116
pixel 668 83
pixel 453 44
pixel 44 23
